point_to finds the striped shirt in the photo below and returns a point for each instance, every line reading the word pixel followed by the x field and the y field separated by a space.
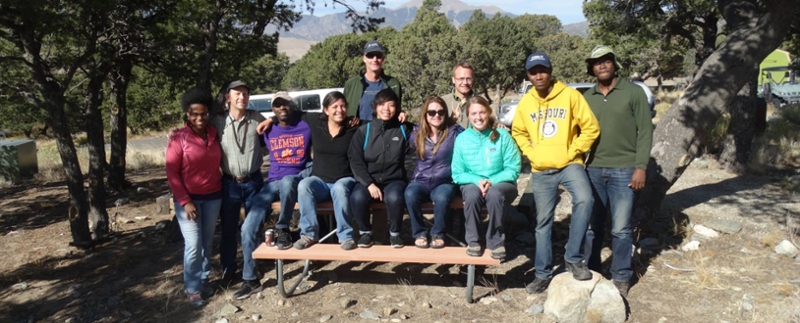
pixel 248 159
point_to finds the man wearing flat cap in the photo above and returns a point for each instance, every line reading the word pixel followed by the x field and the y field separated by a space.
pixel 241 167
pixel 359 91
pixel 617 165
pixel 554 128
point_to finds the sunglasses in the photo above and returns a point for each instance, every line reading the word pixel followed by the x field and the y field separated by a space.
pixel 373 55
pixel 433 113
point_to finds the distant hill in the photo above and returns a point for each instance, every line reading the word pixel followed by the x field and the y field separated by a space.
pixel 578 28
pixel 312 29
pixel 316 29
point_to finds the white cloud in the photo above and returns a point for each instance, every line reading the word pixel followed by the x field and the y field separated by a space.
pixel 568 11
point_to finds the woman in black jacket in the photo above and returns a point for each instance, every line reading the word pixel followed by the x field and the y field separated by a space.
pixel 377 156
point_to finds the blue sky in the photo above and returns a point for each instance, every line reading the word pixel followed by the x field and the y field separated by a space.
pixel 568 11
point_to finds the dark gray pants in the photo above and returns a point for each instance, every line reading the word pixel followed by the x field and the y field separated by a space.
pixel 498 196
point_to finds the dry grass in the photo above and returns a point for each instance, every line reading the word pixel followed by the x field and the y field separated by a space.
pixel 779 146
pixel 51 169
pixel 664 101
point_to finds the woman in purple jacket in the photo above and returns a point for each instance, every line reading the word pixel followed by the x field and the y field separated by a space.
pixel 433 143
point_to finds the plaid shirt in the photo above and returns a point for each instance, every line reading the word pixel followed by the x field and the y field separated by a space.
pixel 236 162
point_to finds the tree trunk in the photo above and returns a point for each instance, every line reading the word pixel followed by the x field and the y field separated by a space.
pixel 676 139
pixel 97 153
pixel 119 125
pixel 78 209
pixel 204 72
pixel 741 130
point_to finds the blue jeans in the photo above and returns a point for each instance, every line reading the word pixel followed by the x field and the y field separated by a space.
pixel 545 193
pixel 313 190
pixel 392 196
pixel 611 193
pixel 197 236
pixel 441 196
pixel 286 190
pixel 234 194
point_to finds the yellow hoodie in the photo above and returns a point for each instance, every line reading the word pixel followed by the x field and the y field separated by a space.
pixel 555 131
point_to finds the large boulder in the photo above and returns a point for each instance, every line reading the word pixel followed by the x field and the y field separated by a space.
pixel 591 301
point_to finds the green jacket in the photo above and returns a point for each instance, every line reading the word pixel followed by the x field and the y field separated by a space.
pixel 476 157
pixel 354 87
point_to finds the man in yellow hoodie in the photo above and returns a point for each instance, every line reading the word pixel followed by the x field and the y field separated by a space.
pixel 554 127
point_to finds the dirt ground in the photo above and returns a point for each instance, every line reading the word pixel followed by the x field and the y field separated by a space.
pixel 137 277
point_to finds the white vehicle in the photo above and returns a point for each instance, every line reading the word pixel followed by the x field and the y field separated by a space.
pixel 507 110
pixel 306 101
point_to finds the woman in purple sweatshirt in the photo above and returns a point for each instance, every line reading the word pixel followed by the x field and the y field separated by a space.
pixel 433 143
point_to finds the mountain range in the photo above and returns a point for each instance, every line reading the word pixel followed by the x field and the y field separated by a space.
pixel 313 28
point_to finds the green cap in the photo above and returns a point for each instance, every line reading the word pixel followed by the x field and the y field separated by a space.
pixel 598 52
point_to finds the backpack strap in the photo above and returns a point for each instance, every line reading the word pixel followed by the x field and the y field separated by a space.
pixel 403 130
pixel 366 137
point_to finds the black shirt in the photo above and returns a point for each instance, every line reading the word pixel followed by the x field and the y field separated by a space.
pixel 330 153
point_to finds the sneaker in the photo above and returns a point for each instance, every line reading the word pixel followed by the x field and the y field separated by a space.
pixel 623 288
pixel 499 253
pixel 249 287
pixel 474 251
pixel 537 286
pixel 396 241
pixel 196 299
pixel 365 241
pixel 348 244
pixel 304 242
pixel 579 270
pixel 283 239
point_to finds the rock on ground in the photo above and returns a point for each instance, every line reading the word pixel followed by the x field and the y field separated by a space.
pixel 594 300
pixel 725 226
pixel 535 309
pixel 227 310
pixel 691 246
pixel 705 231
pixel 787 249
pixel 367 314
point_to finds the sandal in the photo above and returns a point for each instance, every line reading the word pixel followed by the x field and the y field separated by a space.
pixel 437 243
pixel 421 242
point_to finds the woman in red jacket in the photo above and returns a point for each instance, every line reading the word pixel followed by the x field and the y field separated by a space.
pixel 193 158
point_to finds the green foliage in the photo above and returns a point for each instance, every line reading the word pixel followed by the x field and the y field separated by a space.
pixel 331 62
pixel 567 54
pixel 265 74
pixel 423 55
pixel 153 101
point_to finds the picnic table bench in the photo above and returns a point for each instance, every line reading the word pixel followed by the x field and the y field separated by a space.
pixel 376 253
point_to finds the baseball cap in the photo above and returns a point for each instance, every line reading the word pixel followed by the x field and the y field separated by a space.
pixel 598 52
pixel 537 58
pixel 235 84
pixel 373 46
pixel 283 95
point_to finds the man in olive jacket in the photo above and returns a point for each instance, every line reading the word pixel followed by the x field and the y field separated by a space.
pixel 359 91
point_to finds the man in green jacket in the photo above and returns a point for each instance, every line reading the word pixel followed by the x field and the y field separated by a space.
pixel 618 162
pixel 463 79
pixel 360 90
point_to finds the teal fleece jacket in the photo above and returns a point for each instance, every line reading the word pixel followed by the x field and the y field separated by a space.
pixel 476 158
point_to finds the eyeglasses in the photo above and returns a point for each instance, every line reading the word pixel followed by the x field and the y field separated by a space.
pixel 433 113
pixel 464 80
pixel 373 55
pixel 198 115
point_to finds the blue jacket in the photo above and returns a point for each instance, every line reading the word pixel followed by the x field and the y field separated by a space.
pixel 477 158
pixel 434 170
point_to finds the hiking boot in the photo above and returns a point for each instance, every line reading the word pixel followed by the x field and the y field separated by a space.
pixel 283 239
pixel 474 251
pixel 196 299
pixel 499 253
pixel 579 270
pixel 396 241
pixel 249 287
pixel 623 288
pixel 537 286
pixel 348 244
pixel 304 242
pixel 365 241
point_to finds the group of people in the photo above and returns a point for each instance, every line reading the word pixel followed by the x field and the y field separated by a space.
pixel 364 151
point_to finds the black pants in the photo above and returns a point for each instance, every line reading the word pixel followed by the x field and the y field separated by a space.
pixel 393 196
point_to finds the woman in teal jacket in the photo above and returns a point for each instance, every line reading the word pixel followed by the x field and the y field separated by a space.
pixel 486 164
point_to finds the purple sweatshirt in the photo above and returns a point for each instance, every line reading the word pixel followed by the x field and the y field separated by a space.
pixel 289 149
